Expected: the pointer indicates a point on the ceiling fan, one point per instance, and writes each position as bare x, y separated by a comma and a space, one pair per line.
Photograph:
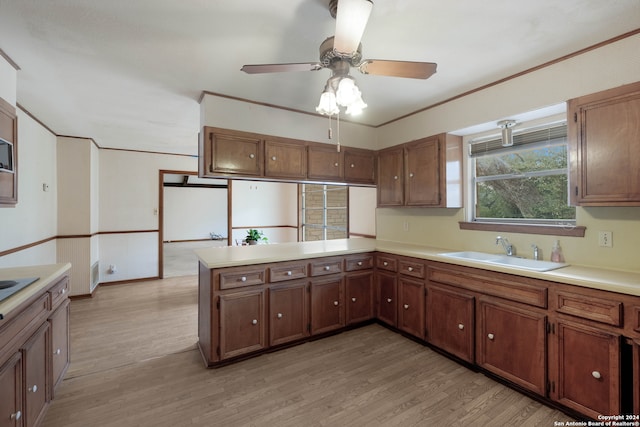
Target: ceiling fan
342, 52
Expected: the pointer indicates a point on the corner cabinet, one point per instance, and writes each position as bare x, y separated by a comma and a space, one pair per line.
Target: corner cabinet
604, 140
426, 172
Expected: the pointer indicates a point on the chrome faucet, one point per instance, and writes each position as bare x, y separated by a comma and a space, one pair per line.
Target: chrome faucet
508, 247
536, 251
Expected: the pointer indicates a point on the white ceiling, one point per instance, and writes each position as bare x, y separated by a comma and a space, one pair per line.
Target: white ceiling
129, 73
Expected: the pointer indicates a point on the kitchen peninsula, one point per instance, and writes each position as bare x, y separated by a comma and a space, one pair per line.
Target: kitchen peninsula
551, 334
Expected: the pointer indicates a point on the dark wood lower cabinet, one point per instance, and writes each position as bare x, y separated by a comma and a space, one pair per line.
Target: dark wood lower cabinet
327, 304
242, 323
36, 375
359, 297
11, 408
411, 306
387, 297
59, 321
586, 377
288, 312
450, 321
512, 343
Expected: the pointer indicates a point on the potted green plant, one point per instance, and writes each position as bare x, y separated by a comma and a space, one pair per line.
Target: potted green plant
254, 236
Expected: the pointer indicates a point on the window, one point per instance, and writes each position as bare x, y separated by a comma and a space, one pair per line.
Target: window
325, 213
526, 183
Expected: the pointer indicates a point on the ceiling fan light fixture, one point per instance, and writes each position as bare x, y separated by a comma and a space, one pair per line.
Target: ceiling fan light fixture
351, 20
356, 107
328, 105
507, 134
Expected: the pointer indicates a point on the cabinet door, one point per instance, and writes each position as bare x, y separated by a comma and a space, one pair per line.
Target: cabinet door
605, 137
411, 305
359, 166
327, 305
359, 301
588, 369
285, 160
450, 321
234, 153
325, 163
387, 297
59, 321
11, 392
391, 177
288, 313
509, 336
242, 323
36, 375
422, 173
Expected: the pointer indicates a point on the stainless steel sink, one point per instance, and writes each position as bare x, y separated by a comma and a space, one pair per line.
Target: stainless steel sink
507, 261
5, 284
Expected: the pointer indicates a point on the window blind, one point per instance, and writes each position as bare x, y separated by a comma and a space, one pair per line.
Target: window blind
554, 135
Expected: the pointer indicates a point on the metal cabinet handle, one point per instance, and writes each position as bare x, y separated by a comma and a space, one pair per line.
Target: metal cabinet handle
360, 263
252, 156
273, 158
57, 352
596, 375
460, 326
33, 388
254, 322
352, 165
16, 416
353, 299
335, 164
410, 269
490, 336
62, 291
389, 300
243, 279
406, 306
289, 273
385, 263
327, 268
336, 303
395, 177
411, 175
279, 315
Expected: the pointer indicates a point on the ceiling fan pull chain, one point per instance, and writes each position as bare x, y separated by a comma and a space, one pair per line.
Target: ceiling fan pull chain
338, 130
330, 130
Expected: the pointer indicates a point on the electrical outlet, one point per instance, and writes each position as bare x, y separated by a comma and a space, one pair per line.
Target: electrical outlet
605, 239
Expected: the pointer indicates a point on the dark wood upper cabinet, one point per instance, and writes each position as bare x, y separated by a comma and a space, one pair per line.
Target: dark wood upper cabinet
359, 166
286, 160
8, 154
390, 177
229, 152
604, 141
325, 163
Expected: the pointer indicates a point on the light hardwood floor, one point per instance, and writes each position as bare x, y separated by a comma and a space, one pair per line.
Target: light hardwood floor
134, 363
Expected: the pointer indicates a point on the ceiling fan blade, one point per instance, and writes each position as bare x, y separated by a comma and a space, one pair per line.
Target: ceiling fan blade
351, 19
279, 68
412, 70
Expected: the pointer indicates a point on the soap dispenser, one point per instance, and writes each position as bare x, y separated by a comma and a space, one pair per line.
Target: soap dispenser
556, 252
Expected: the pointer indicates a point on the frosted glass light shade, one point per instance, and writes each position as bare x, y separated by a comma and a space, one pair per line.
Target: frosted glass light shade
327, 104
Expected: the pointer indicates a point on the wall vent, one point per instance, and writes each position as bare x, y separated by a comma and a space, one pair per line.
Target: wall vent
95, 275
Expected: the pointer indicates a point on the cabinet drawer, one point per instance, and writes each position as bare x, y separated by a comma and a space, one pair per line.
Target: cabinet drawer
282, 272
507, 287
20, 326
326, 266
362, 262
598, 309
237, 279
59, 292
412, 268
386, 263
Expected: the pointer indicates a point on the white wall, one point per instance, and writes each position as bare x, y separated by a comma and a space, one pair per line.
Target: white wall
193, 213
232, 114
34, 218
263, 204
8, 78
362, 210
128, 205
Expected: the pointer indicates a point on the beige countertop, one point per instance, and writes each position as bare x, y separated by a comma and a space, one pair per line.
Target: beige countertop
625, 282
46, 273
